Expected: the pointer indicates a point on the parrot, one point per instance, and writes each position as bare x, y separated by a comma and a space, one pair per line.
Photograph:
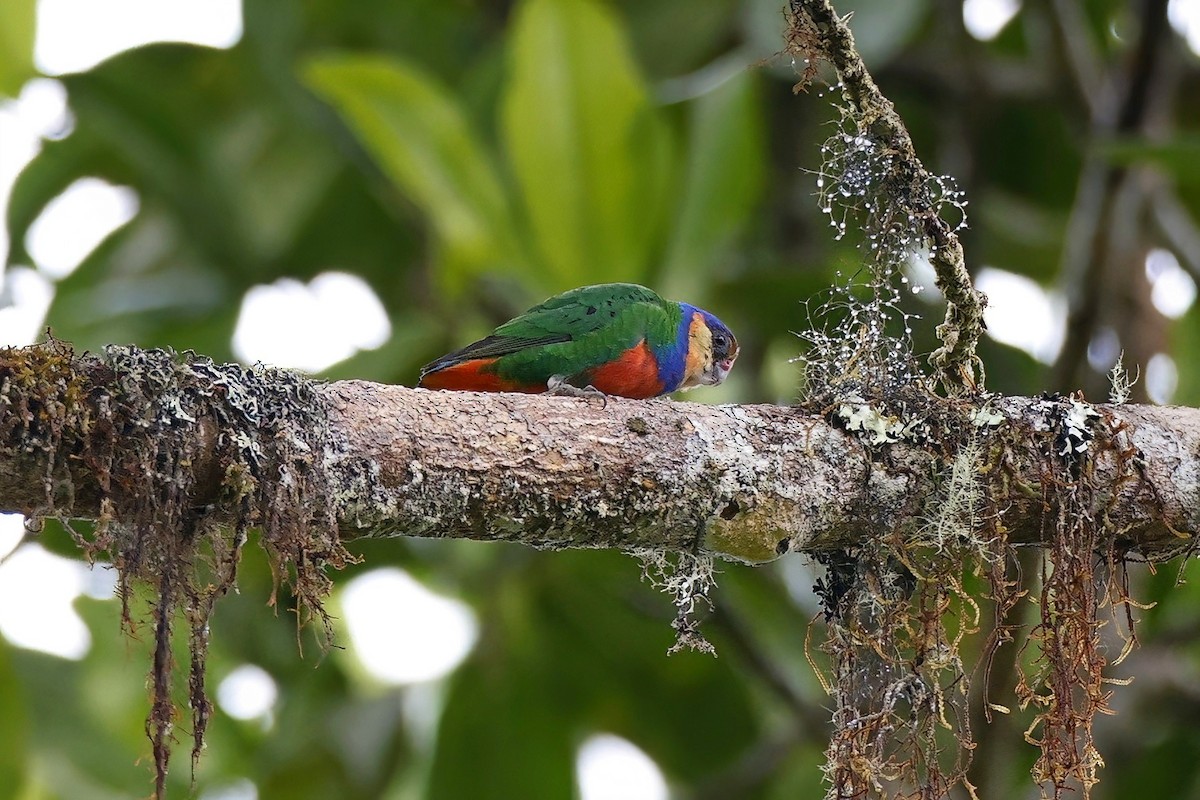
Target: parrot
617, 339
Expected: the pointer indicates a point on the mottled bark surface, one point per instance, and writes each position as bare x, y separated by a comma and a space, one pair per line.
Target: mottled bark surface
745, 480
176, 457
748, 482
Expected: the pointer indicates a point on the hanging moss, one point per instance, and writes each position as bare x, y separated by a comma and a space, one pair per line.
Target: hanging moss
182, 456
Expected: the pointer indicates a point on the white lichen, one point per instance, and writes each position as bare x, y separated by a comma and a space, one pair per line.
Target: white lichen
1120, 384
987, 417
861, 416
687, 578
1077, 428
952, 515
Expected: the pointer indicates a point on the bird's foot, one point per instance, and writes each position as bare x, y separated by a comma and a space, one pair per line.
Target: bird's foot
557, 385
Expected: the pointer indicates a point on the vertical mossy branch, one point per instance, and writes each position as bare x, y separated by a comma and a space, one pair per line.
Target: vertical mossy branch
896, 606
815, 33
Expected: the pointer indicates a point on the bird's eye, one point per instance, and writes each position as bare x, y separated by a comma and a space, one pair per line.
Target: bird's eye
720, 341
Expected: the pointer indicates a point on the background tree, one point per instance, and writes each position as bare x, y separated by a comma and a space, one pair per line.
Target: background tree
467, 160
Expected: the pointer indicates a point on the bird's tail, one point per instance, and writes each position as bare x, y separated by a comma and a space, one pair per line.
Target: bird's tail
471, 375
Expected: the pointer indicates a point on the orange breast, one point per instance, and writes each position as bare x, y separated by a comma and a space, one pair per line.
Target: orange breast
634, 374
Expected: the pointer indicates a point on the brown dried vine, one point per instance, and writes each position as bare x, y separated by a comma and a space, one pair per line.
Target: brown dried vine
898, 614
897, 610
900, 687
1084, 572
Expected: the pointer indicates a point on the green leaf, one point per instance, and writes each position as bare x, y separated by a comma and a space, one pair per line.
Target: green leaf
586, 604
882, 27
18, 22
674, 37
590, 154
134, 128
500, 737
416, 131
724, 178
1179, 156
567, 649
59, 164
238, 184
13, 729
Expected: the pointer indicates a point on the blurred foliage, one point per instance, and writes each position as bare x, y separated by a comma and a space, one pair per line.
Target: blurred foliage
467, 159
17, 25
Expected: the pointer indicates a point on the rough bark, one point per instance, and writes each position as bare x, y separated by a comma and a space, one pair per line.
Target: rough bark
743, 482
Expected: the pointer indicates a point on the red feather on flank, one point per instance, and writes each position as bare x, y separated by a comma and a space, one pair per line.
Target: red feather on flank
632, 374
473, 376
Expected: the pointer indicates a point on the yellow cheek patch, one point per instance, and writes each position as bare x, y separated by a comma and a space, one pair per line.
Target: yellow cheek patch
699, 353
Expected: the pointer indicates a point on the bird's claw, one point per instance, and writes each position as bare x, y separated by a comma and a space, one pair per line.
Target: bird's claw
557, 385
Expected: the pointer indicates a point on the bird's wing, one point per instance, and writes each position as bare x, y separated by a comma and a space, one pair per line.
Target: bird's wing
491, 347
570, 317
575, 314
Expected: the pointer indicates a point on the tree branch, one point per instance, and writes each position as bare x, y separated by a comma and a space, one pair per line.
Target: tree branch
743, 482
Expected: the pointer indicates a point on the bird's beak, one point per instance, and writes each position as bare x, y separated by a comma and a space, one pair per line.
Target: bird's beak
720, 371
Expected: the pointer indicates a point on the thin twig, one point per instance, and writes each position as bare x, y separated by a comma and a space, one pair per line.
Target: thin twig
1120, 105
1082, 58
1179, 227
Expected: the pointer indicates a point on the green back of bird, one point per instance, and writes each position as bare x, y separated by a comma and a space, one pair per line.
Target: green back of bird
585, 327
